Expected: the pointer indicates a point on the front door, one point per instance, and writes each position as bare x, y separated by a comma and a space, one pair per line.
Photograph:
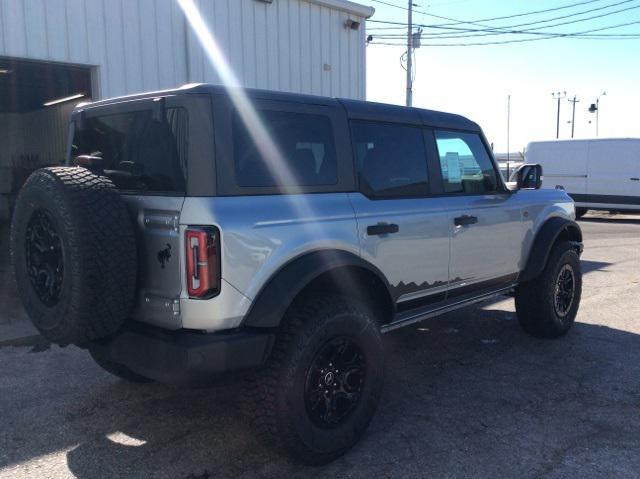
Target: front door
485, 222
402, 230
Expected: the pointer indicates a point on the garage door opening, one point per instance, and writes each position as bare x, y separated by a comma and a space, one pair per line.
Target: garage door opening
36, 99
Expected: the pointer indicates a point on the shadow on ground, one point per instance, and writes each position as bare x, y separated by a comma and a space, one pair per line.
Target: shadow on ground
590, 266
466, 395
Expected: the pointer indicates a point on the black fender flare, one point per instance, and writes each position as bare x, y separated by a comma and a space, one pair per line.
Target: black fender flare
276, 296
543, 242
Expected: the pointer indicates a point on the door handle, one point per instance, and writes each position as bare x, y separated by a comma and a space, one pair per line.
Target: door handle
634, 179
465, 220
382, 229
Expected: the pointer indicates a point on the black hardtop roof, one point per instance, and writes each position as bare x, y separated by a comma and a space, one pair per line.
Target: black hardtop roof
356, 109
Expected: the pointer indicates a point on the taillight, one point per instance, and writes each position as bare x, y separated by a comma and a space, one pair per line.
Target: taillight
203, 261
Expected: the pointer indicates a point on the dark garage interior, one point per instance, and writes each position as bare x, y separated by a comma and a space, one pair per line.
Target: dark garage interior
36, 99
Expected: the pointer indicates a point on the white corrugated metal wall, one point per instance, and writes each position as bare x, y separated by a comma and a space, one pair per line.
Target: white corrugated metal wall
137, 45
141, 45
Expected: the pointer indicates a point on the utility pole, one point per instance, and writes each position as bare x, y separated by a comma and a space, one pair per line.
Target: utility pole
410, 55
558, 96
573, 116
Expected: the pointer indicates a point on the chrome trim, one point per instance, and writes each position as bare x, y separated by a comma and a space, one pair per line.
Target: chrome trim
420, 316
422, 293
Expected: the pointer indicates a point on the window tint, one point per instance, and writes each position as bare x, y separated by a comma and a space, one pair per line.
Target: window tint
391, 159
307, 153
138, 152
465, 163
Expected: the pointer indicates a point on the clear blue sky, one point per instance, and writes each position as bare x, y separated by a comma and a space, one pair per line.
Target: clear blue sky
475, 80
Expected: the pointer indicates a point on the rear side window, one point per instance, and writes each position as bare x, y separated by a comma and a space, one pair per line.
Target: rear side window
139, 153
391, 159
465, 163
306, 152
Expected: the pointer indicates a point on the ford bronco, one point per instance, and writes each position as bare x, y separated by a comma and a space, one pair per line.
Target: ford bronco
206, 231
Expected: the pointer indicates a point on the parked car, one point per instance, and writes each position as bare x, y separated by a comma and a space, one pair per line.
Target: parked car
209, 232
602, 174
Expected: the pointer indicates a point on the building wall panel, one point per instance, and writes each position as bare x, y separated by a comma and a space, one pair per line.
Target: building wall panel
36, 25
139, 45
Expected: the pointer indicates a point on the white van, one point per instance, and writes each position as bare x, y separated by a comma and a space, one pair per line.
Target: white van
602, 174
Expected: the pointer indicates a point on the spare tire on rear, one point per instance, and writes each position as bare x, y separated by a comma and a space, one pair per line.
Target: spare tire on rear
74, 254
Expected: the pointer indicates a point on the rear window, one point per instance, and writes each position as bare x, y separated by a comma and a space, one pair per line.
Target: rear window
139, 153
306, 151
391, 160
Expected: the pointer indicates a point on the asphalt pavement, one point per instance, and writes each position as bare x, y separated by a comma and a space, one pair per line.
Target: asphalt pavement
466, 395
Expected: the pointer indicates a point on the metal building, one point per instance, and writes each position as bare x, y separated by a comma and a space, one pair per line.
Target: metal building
54, 53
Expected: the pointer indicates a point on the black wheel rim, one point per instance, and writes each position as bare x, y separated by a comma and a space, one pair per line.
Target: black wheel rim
564, 290
44, 258
334, 382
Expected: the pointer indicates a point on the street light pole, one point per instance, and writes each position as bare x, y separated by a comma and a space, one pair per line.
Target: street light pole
508, 131
597, 116
595, 108
558, 96
598, 111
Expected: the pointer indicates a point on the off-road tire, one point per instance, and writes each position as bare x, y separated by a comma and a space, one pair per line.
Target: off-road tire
535, 300
580, 212
95, 246
276, 393
116, 369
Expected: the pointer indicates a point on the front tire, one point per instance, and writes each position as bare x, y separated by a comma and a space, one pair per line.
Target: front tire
322, 384
547, 306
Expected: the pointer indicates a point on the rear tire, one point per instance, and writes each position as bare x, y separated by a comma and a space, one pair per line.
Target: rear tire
321, 386
116, 369
547, 306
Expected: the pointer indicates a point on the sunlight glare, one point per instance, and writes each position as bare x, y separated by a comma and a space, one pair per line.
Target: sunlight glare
248, 114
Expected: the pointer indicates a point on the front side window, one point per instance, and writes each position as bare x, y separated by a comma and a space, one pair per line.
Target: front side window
304, 153
391, 159
465, 164
139, 153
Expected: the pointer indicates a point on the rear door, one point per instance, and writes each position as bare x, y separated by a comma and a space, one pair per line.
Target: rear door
485, 223
402, 230
145, 150
614, 173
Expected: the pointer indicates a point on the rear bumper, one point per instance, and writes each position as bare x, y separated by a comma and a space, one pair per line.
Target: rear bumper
186, 357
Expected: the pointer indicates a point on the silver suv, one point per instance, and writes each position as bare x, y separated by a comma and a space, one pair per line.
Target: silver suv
206, 231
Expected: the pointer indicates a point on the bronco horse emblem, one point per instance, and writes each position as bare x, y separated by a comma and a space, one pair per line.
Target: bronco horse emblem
164, 255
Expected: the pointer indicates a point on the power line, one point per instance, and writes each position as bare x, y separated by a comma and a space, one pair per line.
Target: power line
502, 31
547, 36
529, 31
475, 22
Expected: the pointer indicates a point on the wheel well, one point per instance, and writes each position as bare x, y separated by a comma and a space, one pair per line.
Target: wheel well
571, 233
554, 231
358, 283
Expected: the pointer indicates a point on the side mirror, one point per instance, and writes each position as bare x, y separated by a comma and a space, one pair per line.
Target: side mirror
529, 177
